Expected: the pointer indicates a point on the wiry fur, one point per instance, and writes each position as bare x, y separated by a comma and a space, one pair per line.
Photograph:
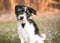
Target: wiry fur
27, 28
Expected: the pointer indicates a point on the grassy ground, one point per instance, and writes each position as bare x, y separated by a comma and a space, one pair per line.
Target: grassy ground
49, 25
8, 32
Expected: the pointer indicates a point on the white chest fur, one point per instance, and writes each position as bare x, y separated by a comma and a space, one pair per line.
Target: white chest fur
27, 32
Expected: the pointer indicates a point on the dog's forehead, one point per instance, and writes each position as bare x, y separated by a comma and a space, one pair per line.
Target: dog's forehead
25, 8
22, 8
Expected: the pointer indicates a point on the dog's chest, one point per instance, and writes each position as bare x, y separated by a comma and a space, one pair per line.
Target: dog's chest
27, 29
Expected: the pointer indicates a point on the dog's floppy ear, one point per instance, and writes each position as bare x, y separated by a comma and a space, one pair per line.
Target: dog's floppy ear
31, 10
16, 9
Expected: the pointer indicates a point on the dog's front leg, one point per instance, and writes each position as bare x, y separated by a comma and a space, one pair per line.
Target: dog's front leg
32, 39
20, 32
22, 40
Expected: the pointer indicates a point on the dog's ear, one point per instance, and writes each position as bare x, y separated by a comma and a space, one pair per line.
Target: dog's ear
16, 7
31, 10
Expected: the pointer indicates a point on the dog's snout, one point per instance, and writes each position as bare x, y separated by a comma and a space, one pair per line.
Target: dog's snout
21, 18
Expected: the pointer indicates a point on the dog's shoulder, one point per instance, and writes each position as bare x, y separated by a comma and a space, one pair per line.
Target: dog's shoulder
35, 26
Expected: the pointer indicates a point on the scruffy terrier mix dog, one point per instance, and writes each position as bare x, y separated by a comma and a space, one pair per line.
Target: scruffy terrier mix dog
27, 28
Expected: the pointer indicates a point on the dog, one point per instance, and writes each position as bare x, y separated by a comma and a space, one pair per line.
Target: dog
27, 29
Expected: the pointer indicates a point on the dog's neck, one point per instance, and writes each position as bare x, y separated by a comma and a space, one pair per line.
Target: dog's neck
23, 23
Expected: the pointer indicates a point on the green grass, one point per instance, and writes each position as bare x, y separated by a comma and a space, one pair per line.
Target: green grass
49, 26
8, 32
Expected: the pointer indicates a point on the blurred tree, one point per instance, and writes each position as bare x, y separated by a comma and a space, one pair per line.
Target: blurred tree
40, 5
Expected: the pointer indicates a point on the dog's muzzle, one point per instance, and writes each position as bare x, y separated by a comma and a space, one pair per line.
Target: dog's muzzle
21, 18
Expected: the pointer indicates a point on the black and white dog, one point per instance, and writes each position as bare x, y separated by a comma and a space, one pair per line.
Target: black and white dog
27, 28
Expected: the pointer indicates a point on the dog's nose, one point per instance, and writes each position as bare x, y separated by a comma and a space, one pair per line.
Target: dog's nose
21, 18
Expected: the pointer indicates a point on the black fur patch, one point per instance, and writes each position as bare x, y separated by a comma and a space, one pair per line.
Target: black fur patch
35, 25
23, 24
31, 10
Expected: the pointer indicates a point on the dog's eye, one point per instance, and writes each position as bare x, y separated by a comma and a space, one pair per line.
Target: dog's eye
27, 12
20, 11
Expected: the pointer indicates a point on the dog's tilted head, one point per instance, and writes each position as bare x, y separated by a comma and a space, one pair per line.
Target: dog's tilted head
23, 12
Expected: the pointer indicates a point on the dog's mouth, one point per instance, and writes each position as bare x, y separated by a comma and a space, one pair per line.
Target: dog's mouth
22, 21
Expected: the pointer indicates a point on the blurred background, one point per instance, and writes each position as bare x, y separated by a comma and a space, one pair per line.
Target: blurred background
47, 19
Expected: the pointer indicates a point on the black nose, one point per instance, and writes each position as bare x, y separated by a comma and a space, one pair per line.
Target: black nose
21, 18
